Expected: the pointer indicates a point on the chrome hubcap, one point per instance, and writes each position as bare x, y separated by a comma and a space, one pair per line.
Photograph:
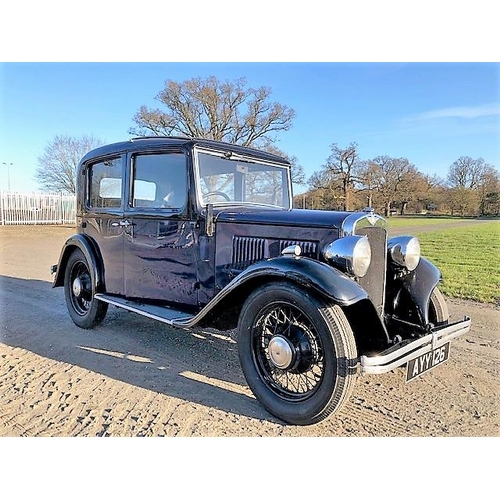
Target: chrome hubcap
280, 352
77, 287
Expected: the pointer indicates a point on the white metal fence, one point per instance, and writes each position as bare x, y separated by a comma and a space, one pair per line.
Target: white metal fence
37, 208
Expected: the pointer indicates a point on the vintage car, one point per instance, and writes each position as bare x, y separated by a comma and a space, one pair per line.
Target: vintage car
197, 233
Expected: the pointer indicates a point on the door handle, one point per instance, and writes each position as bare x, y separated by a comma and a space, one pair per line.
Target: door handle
123, 223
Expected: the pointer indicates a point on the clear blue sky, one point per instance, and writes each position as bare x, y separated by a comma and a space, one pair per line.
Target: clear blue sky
430, 113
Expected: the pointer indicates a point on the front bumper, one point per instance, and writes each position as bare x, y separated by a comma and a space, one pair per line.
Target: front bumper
405, 351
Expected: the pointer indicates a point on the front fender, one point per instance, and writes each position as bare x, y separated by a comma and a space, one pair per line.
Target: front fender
90, 252
419, 285
308, 273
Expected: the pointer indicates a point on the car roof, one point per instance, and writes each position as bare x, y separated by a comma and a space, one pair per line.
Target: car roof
148, 142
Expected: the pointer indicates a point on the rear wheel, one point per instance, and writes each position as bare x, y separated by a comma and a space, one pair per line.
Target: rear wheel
84, 309
297, 352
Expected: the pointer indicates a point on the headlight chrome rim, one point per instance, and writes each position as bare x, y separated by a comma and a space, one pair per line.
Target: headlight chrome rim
351, 254
404, 251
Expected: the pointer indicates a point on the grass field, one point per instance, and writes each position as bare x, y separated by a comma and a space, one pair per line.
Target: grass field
468, 257
421, 221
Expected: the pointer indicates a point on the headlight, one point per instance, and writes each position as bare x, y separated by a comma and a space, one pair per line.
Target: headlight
404, 251
351, 254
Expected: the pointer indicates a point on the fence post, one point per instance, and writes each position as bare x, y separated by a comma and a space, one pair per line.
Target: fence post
35, 211
2, 210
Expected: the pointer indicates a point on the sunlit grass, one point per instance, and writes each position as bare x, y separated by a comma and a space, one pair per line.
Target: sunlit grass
422, 221
469, 259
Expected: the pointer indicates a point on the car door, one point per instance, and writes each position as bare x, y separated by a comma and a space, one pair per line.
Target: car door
159, 249
103, 221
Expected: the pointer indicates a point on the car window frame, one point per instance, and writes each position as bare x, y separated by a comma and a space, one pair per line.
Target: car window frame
129, 188
88, 170
221, 153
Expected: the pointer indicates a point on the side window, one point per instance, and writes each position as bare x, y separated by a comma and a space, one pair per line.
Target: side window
105, 184
159, 181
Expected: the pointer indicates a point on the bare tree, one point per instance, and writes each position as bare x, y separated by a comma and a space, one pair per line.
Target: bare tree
471, 181
57, 165
297, 170
326, 192
396, 180
489, 190
429, 192
339, 174
463, 201
208, 108
368, 178
466, 172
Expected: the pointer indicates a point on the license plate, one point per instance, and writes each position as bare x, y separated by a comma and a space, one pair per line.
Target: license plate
427, 361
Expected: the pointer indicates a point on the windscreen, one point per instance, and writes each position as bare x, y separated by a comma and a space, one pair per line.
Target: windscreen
236, 180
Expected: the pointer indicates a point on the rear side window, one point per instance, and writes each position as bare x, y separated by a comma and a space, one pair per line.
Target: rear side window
105, 184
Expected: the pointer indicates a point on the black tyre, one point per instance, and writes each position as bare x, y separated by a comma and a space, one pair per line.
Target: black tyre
84, 309
438, 309
298, 353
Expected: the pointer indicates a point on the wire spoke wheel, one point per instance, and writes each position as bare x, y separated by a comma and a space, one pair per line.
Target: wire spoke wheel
288, 351
297, 352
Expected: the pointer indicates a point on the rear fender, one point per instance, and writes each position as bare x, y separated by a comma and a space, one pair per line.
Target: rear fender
91, 253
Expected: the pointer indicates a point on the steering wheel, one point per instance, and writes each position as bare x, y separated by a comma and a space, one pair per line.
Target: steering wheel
217, 193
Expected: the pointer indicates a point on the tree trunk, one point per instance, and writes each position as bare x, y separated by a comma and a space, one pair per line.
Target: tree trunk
404, 204
387, 209
370, 199
347, 201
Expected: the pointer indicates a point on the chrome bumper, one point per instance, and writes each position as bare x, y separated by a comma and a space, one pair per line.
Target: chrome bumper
402, 353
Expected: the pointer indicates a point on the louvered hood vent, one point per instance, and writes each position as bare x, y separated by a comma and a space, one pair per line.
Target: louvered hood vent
247, 250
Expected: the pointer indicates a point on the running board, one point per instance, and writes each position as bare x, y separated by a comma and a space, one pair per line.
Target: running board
166, 315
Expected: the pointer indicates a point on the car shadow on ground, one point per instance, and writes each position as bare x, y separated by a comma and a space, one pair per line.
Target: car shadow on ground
200, 366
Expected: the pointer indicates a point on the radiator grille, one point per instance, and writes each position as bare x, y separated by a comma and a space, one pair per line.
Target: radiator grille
374, 280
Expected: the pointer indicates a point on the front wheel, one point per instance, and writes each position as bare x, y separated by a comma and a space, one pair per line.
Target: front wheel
84, 309
297, 352
438, 309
